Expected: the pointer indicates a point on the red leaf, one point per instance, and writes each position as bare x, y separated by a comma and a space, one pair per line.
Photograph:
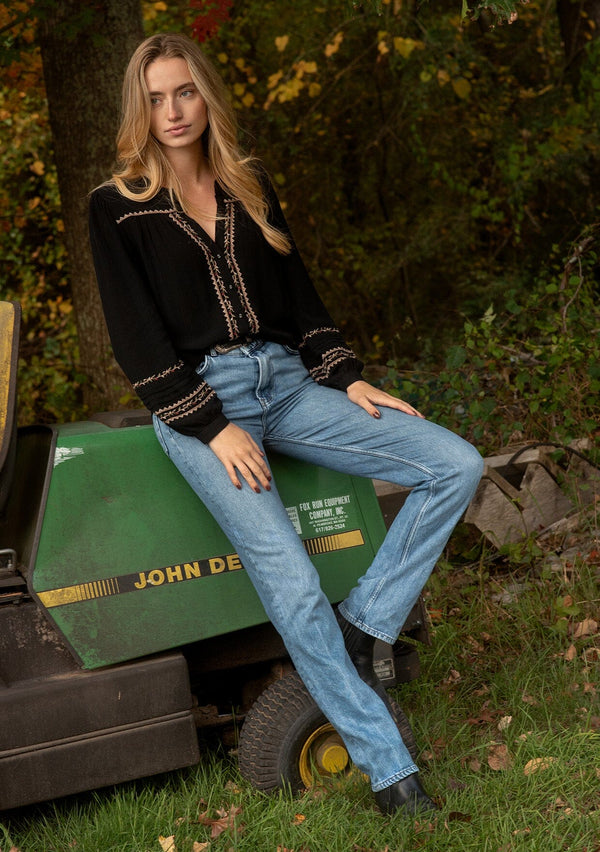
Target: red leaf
213, 14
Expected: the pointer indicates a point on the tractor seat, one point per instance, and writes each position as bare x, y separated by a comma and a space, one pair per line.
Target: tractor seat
10, 320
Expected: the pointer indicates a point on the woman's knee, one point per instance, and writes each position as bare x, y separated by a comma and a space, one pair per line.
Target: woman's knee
469, 466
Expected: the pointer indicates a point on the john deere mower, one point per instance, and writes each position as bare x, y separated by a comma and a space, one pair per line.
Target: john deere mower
127, 621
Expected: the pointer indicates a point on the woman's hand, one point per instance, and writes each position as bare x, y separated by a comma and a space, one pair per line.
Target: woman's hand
239, 452
365, 395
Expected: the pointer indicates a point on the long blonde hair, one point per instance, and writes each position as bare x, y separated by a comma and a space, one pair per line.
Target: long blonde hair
139, 155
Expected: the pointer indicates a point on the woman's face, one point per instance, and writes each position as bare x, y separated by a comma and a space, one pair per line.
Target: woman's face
178, 116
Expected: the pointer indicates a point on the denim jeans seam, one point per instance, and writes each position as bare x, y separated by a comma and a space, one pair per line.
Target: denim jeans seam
360, 620
354, 451
413, 530
372, 598
385, 637
378, 786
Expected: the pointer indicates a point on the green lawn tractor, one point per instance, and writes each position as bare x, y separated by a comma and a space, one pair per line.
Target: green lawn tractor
127, 621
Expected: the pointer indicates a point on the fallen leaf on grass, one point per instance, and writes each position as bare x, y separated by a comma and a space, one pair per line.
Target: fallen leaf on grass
453, 677
299, 819
422, 827
498, 757
167, 844
475, 646
437, 748
504, 723
538, 764
587, 627
485, 716
561, 807
200, 847
571, 653
224, 821
473, 763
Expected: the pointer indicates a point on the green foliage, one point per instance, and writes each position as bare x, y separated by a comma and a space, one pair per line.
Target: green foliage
530, 369
34, 263
427, 164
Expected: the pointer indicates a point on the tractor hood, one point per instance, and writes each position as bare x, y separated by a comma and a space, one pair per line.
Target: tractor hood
130, 562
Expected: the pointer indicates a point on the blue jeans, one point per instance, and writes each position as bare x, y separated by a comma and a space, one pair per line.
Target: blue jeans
266, 390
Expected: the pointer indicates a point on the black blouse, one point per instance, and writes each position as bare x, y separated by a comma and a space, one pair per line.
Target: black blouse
170, 293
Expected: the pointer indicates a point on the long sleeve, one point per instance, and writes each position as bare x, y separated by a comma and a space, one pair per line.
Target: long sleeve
169, 387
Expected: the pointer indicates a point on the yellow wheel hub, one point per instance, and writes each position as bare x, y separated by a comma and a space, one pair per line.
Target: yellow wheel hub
323, 753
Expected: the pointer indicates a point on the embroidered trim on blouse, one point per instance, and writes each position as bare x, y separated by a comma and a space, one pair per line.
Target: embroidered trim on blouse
233, 329
140, 213
157, 376
234, 268
187, 405
329, 361
316, 331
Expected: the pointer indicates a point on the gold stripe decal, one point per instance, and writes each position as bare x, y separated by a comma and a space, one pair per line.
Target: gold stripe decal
329, 543
83, 592
96, 589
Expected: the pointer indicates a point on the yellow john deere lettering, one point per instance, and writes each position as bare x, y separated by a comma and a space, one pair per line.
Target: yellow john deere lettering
157, 577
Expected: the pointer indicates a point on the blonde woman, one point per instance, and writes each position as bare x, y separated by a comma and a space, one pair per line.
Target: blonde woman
214, 319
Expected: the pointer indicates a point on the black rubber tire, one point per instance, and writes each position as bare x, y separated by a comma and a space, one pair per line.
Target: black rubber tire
274, 733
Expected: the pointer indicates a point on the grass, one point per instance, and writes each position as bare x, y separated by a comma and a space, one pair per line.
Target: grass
506, 712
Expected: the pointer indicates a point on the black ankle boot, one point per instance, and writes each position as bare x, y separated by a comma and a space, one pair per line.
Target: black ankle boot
406, 795
359, 646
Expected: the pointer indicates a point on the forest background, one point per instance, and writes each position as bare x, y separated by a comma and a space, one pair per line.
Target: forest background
439, 166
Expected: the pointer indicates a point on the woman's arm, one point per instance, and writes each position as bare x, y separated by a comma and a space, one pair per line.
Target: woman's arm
142, 345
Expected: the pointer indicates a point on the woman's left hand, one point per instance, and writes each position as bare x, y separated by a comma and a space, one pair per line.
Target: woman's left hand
363, 394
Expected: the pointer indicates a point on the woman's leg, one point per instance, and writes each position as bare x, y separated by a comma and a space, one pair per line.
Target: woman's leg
285, 579
321, 425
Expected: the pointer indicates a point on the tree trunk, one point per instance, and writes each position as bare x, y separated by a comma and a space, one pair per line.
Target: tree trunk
85, 49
